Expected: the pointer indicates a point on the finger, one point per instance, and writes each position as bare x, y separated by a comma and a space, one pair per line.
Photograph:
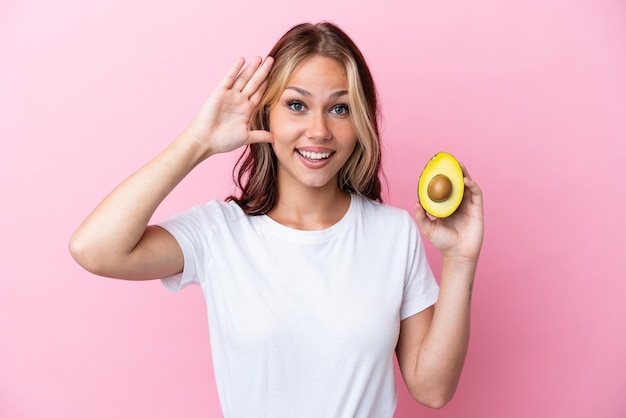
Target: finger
255, 99
245, 75
260, 136
464, 170
231, 75
476, 194
471, 185
258, 81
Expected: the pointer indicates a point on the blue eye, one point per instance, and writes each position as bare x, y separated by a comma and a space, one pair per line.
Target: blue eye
296, 105
341, 109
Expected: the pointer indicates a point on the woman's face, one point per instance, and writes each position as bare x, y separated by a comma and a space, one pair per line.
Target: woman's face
312, 127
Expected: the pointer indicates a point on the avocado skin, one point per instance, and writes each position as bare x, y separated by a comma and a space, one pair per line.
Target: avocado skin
442, 163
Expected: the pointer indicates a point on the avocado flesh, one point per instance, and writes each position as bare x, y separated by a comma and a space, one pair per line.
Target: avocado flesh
445, 166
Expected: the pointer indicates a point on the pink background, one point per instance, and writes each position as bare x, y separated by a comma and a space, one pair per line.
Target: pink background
531, 95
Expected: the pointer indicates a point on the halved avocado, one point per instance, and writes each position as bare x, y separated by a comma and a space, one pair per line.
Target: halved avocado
440, 187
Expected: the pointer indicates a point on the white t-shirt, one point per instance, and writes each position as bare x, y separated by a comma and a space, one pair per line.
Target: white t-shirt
304, 323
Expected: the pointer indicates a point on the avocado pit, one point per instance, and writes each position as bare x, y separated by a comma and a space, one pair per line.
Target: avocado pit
439, 188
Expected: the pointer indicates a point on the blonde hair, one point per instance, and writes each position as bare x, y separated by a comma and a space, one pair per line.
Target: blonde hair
256, 168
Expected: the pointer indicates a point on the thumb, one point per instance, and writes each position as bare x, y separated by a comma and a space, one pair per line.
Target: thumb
260, 136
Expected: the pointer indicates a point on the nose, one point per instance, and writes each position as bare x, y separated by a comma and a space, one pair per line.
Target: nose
318, 127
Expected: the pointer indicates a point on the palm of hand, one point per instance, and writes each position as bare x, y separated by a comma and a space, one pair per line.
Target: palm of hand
224, 120
222, 124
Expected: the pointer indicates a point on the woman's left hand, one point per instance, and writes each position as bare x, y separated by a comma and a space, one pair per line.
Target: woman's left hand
460, 235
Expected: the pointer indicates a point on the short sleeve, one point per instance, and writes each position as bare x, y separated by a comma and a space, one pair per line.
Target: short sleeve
190, 230
421, 289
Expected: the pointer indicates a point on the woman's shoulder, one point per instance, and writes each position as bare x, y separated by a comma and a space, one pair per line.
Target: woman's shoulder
228, 210
380, 208
385, 211
210, 211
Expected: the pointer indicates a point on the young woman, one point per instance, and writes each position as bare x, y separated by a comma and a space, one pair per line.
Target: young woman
311, 283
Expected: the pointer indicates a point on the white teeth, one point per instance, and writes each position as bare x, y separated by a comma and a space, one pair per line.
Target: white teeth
314, 155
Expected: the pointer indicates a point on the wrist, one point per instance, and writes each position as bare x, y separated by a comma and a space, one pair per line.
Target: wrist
459, 260
461, 269
194, 149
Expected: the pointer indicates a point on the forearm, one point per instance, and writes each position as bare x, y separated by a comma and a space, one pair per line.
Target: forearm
117, 224
444, 348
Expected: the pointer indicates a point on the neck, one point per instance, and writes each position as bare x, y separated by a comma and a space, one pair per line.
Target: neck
310, 209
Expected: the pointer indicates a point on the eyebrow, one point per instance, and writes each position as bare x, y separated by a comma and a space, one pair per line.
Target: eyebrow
335, 95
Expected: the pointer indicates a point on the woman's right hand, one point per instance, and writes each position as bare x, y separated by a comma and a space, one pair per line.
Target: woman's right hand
223, 122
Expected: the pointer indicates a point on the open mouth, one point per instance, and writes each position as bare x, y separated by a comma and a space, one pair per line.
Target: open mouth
314, 156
